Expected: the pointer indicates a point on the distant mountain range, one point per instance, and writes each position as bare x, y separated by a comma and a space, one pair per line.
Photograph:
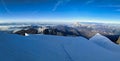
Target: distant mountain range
86, 29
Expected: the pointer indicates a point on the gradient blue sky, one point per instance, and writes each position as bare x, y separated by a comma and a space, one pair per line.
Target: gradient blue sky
59, 10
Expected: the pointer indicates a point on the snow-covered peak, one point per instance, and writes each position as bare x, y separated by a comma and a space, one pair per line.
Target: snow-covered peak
104, 42
99, 34
99, 37
77, 24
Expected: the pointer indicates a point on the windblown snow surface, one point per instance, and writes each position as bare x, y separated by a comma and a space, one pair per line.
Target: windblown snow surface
57, 48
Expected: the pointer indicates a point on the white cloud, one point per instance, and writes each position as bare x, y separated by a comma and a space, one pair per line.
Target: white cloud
56, 5
59, 3
3, 28
89, 1
5, 7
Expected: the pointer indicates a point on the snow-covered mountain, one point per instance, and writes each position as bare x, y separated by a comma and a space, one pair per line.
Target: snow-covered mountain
105, 42
85, 29
54, 48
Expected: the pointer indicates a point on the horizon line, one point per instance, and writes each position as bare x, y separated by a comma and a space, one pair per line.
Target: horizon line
106, 22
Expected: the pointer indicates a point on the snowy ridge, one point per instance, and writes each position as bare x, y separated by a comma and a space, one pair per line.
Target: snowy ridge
52, 48
31, 48
105, 42
81, 49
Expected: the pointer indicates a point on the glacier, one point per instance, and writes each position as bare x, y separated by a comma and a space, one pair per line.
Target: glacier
56, 48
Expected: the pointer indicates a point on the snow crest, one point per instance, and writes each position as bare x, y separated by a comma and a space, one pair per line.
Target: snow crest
105, 42
56, 48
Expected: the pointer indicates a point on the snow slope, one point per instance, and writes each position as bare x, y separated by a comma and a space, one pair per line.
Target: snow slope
105, 42
52, 48
20, 48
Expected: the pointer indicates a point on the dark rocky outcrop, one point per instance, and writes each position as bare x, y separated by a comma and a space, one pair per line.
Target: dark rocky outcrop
29, 31
113, 38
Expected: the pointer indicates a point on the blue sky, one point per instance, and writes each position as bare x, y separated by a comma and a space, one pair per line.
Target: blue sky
59, 10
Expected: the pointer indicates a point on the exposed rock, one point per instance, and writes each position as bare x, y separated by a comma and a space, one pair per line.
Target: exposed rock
28, 31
